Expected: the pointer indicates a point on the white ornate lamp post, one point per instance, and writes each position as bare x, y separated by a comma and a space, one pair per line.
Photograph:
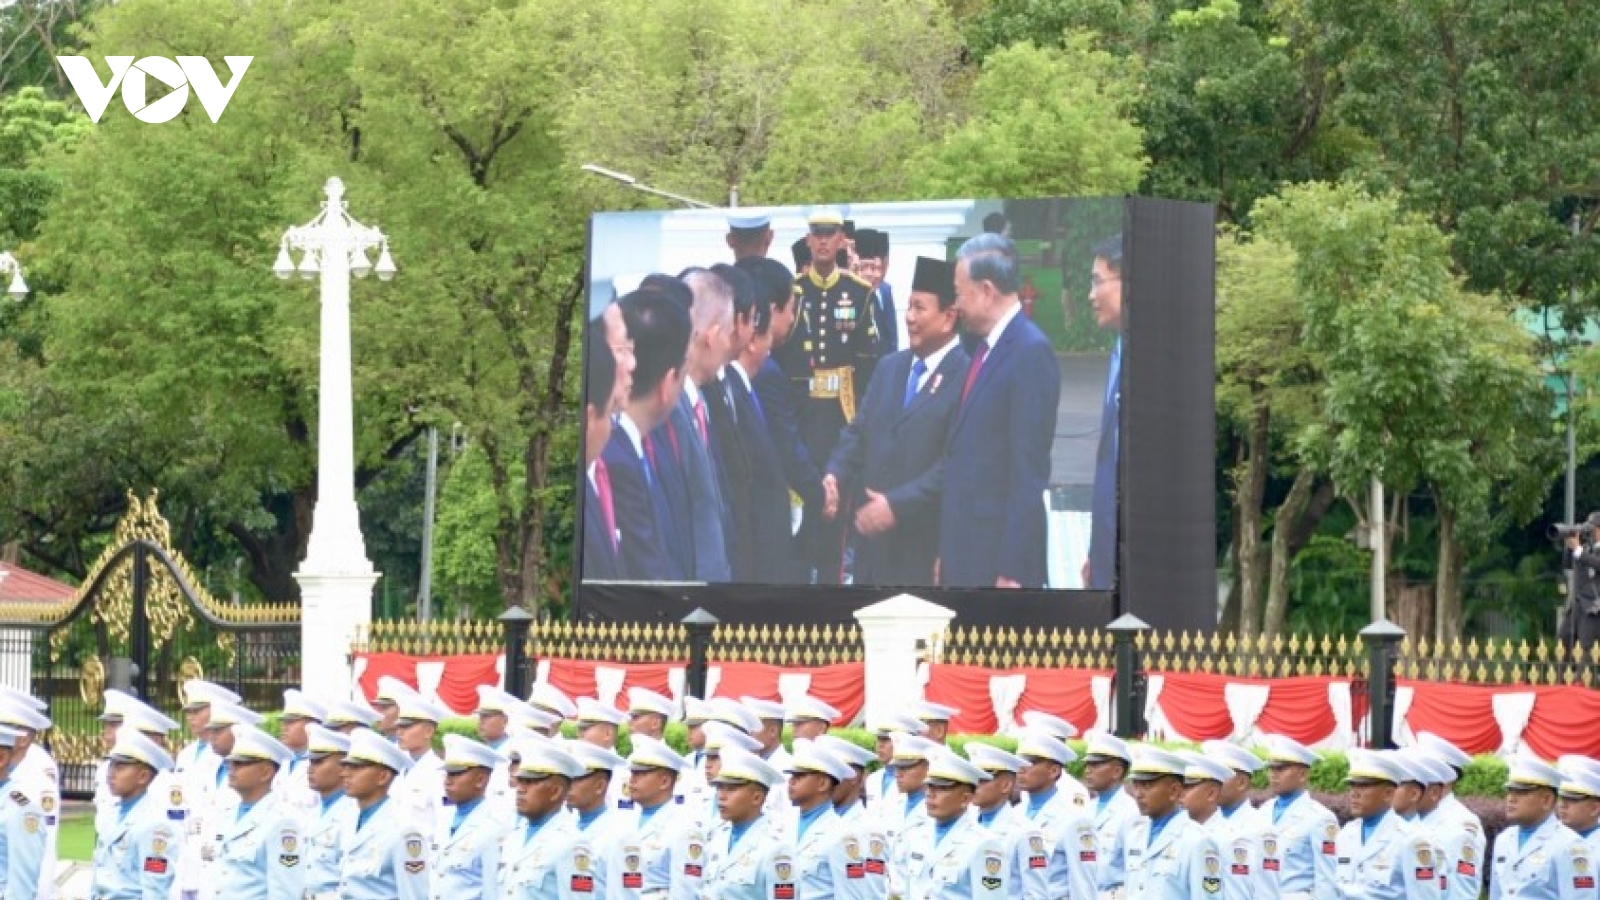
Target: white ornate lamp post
9, 266
336, 576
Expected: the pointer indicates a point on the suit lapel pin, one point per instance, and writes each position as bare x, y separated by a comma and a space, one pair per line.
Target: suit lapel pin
937, 378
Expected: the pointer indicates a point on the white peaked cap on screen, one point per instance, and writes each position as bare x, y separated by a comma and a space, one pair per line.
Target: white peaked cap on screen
1282, 749
1060, 728
749, 221
322, 741
492, 699
1041, 745
742, 766
18, 713
547, 696
368, 746
348, 712
946, 768
1238, 758
1532, 772
462, 753
595, 758
649, 753
416, 709
140, 717
899, 722
223, 714
644, 700
133, 746
593, 712
251, 743
992, 759
1438, 746
809, 707
854, 754
197, 693
31, 700
911, 747
394, 690
929, 711
766, 710
731, 711
722, 736
1099, 744
296, 705
809, 758
1200, 767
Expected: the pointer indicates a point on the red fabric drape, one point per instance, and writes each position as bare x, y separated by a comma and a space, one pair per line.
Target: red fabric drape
967, 689
1061, 692
748, 679
458, 688
1298, 708
1563, 722
1193, 703
650, 676
842, 687
397, 665
1461, 713
573, 677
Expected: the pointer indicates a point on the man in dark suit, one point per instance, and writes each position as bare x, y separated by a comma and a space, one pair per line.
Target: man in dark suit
992, 516
1105, 297
872, 263
659, 328
600, 561
891, 458
766, 552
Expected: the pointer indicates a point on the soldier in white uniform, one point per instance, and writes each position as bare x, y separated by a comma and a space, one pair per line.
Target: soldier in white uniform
605, 827
391, 693
747, 856
1203, 778
1235, 800
896, 819
1578, 803
720, 736
260, 855
849, 799
692, 782
809, 718
1455, 828
33, 773
649, 712
880, 785
197, 763
597, 724
546, 856
659, 832
125, 713
1536, 857
1063, 731
299, 712
936, 718
1299, 836
548, 697
830, 856
134, 855
1169, 857
1106, 759
214, 809
948, 855
769, 731
1034, 863
386, 848
24, 835
466, 856
327, 826
345, 716
1380, 857
421, 787
494, 716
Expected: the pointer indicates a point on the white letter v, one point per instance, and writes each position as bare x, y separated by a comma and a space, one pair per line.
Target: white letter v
91, 93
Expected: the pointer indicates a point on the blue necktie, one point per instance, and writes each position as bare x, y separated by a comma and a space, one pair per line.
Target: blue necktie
917, 370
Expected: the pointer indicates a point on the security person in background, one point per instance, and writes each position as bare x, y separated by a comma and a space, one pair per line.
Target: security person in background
33, 773
1535, 856
386, 849
1031, 858
24, 836
1379, 855
1203, 777
545, 855
829, 359
261, 855
467, 855
1106, 759
936, 716
335, 814
1580, 615
134, 857
749, 234
948, 855
197, 760
1455, 827
747, 855
1169, 857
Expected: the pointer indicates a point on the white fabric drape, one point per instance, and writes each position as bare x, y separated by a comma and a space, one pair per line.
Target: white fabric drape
500, 671
1245, 703
1004, 693
1400, 728
1155, 720
713, 680
1339, 701
792, 686
358, 669
675, 684
608, 683
429, 674
541, 672
1511, 712
1100, 692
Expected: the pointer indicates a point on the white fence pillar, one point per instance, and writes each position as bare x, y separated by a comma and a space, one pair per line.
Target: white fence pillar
890, 631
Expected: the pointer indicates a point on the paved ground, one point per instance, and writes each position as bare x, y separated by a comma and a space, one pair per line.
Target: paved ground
1083, 387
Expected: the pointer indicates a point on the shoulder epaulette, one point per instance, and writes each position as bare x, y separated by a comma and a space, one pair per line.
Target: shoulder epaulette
20, 798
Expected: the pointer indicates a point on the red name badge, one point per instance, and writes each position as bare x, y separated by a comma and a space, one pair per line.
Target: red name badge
155, 864
855, 871
632, 880
583, 884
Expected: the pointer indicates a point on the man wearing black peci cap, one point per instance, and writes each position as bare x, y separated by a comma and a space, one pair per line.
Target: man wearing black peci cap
889, 462
872, 263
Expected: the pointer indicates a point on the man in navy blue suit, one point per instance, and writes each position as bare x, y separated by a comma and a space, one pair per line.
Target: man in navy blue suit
766, 552
600, 561
891, 457
1105, 297
658, 324
872, 263
992, 516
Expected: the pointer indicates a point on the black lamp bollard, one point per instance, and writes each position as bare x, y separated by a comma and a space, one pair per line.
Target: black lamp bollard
700, 624
516, 621
1128, 705
1383, 651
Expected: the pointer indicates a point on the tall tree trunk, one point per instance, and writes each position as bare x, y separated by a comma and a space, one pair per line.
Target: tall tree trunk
1447, 591
1229, 622
1287, 524
1251, 487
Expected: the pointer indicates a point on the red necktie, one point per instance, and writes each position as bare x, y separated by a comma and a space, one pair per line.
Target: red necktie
672, 438
700, 420
602, 487
972, 371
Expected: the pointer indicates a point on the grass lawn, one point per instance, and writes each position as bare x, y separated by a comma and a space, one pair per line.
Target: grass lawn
75, 841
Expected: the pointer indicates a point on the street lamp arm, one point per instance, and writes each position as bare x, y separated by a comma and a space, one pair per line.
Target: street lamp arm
636, 184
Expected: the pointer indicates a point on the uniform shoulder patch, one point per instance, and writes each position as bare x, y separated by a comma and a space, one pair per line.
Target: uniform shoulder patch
289, 849
31, 822
415, 863
1211, 881
783, 877
19, 798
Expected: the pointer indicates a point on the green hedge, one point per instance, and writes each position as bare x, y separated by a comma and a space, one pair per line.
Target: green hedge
1484, 777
